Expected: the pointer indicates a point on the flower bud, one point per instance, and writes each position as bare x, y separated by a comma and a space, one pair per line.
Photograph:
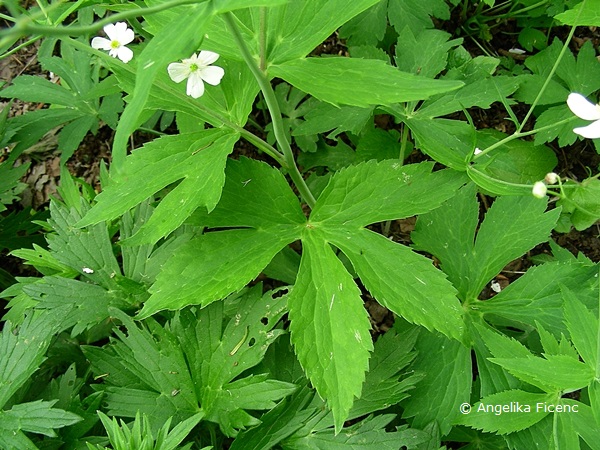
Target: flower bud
551, 178
539, 189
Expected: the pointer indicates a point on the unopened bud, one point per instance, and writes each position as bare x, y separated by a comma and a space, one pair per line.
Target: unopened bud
539, 189
551, 178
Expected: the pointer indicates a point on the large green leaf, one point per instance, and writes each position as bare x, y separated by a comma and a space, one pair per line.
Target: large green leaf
329, 326
401, 191
197, 159
36, 417
409, 285
358, 82
583, 328
512, 226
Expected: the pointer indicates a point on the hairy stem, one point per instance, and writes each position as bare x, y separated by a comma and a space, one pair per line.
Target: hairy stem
271, 101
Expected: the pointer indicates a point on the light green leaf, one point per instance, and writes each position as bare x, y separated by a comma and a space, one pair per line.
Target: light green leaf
521, 411
586, 425
23, 352
402, 191
366, 29
423, 53
36, 89
416, 14
229, 260
445, 363
222, 6
447, 141
584, 14
560, 372
326, 117
37, 417
583, 328
537, 295
583, 203
198, 159
358, 82
329, 326
255, 195
402, 281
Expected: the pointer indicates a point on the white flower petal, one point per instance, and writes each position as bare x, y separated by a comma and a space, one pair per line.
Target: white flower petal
212, 75
582, 107
178, 71
592, 131
124, 54
100, 43
195, 86
111, 31
207, 57
126, 37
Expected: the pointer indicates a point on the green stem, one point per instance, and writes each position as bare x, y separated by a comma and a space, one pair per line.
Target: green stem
552, 71
403, 141
520, 134
271, 101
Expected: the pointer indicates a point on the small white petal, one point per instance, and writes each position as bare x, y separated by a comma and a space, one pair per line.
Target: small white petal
592, 131
178, 72
212, 75
206, 57
539, 189
477, 151
124, 54
582, 107
100, 43
126, 37
195, 86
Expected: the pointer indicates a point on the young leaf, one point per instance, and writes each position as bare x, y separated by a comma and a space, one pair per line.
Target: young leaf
329, 326
358, 82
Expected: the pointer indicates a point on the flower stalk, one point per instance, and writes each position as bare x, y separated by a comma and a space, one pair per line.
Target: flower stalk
289, 162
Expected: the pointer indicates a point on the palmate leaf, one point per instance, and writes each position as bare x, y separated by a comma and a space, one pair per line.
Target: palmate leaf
512, 226
198, 159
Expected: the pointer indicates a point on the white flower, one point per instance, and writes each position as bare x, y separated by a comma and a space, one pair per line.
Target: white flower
551, 178
586, 110
539, 189
118, 37
197, 69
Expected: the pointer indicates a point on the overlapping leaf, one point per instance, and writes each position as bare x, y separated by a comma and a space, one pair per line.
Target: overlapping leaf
197, 159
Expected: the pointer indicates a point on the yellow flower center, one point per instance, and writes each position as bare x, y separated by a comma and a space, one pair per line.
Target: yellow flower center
115, 44
193, 67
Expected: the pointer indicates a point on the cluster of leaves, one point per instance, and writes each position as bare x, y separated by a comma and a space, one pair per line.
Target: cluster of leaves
148, 308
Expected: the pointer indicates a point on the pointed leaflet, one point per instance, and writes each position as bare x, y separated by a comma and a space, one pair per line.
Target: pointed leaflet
485, 416
401, 280
583, 328
23, 352
512, 226
446, 364
36, 417
212, 266
358, 82
196, 158
400, 191
537, 295
329, 326
218, 356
